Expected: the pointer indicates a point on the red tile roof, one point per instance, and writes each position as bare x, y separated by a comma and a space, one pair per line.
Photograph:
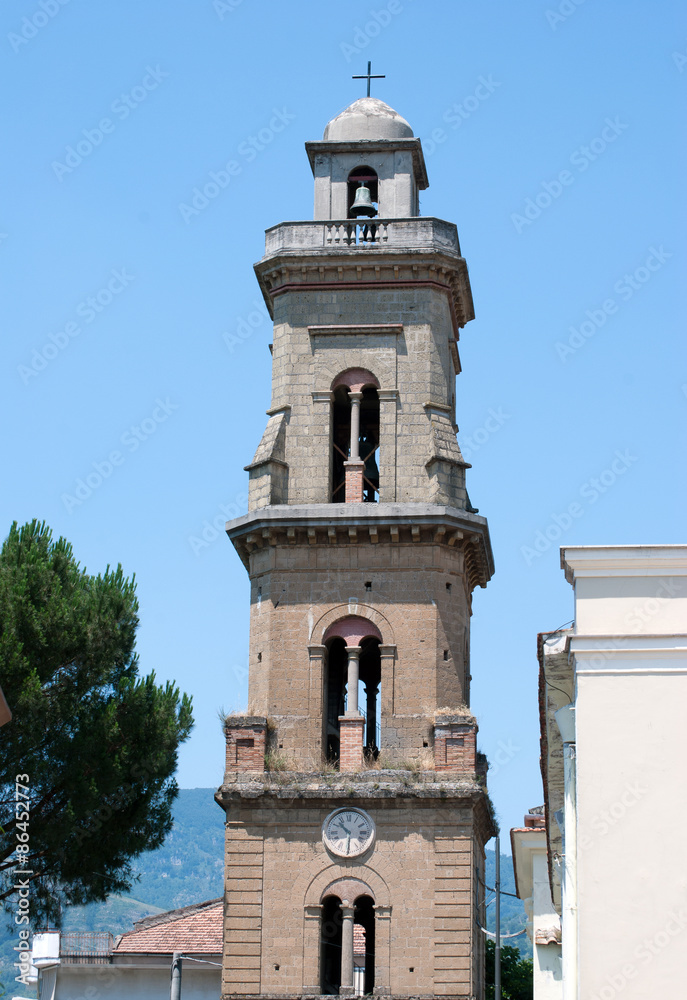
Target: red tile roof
193, 929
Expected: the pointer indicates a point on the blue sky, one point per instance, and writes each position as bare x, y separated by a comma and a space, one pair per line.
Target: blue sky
553, 138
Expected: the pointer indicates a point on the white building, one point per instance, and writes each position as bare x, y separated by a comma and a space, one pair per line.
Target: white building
530, 865
136, 965
614, 745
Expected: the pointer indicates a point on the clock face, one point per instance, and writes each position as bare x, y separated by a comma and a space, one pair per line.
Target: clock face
348, 832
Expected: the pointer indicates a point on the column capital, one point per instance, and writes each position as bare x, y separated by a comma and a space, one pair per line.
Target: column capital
355, 397
387, 650
353, 651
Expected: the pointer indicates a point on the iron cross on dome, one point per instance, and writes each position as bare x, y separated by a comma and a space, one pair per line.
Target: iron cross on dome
368, 76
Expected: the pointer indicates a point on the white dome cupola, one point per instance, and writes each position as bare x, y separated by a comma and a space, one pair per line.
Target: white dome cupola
369, 144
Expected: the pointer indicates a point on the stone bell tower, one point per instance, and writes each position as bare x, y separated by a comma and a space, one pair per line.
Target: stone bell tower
356, 805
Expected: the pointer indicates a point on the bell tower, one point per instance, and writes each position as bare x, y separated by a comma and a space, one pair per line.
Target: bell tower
356, 804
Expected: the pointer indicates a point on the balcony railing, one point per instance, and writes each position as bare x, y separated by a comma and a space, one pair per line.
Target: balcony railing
420, 233
86, 947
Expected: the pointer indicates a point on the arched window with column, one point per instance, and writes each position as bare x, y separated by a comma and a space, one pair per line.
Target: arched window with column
355, 437
352, 682
347, 937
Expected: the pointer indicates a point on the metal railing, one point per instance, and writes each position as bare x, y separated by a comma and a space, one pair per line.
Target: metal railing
91, 947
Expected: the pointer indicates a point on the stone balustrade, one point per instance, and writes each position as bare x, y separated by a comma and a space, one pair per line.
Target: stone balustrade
418, 233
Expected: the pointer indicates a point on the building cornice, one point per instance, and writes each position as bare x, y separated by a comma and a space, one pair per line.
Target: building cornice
325, 147
580, 561
348, 523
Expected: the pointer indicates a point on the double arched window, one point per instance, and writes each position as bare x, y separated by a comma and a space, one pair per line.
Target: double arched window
352, 682
355, 437
336, 964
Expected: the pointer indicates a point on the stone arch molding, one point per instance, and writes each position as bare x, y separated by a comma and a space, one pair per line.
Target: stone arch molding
383, 370
327, 879
356, 379
347, 888
329, 618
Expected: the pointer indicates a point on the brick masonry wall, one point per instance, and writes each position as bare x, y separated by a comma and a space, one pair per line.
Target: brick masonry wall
351, 745
246, 743
354, 481
455, 745
420, 874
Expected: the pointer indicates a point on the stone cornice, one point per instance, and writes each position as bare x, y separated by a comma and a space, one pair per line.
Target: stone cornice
425, 253
580, 561
381, 523
325, 147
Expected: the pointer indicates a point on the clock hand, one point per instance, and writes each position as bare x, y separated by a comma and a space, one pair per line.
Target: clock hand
348, 844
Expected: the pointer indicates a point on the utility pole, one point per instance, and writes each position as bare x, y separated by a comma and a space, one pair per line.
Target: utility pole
497, 915
175, 986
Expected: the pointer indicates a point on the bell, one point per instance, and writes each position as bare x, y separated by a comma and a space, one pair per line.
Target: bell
363, 202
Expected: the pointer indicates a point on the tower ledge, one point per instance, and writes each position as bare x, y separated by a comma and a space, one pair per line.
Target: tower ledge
380, 523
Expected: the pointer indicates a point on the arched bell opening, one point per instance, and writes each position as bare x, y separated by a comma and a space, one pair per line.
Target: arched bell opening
363, 193
369, 443
370, 695
330, 946
334, 696
364, 946
355, 436
341, 440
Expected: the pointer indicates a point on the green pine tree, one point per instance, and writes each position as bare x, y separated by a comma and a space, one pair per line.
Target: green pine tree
94, 743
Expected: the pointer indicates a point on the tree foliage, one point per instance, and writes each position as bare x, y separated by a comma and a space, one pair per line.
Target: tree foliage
517, 976
98, 742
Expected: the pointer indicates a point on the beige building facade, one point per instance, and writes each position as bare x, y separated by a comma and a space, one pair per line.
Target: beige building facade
355, 797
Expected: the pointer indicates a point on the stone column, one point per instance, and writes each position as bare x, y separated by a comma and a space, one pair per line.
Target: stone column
312, 920
356, 399
317, 709
382, 950
388, 405
347, 911
318, 485
353, 677
387, 656
354, 467
371, 691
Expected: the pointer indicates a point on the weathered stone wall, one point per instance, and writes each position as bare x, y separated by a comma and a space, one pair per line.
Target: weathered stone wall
296, 589
419, 458
420, 873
